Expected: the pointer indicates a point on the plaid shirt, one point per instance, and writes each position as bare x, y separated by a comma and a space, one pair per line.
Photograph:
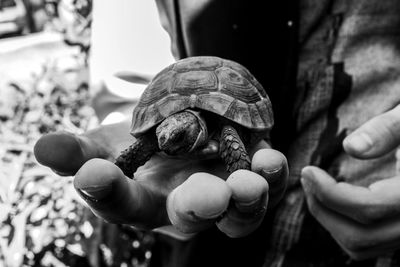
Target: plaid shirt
347, 72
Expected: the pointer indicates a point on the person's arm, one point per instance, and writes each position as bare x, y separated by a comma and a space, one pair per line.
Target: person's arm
363, 220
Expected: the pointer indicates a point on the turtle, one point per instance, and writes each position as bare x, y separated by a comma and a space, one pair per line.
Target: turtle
193, 100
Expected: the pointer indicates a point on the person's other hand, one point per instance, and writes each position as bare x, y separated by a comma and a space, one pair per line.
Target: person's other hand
191, 194
365, 222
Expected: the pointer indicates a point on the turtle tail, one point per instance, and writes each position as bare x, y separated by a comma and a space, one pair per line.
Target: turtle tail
137, 154
232, 150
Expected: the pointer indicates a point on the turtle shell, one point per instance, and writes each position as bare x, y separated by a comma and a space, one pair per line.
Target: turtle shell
220, 86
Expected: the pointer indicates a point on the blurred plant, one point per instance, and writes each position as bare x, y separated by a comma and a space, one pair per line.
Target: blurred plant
73, 18
79, 32
42, 220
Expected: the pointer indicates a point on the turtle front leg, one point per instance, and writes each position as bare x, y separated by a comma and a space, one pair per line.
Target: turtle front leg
137, 154
232, 150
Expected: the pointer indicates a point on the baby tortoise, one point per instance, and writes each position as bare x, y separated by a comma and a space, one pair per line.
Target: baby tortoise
195, 99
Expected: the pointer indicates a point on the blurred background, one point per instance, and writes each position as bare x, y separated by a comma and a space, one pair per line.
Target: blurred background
58, 60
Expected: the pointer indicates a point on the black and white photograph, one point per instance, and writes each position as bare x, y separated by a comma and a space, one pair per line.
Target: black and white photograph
197, 133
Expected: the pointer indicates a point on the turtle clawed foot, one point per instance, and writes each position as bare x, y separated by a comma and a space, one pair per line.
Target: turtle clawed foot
242, 164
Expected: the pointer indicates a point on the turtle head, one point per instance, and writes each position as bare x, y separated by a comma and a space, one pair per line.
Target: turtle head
181, 133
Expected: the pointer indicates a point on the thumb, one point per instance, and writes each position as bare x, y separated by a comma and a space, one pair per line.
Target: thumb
376, 137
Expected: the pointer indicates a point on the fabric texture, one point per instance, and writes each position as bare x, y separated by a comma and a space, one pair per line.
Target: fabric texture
348, 72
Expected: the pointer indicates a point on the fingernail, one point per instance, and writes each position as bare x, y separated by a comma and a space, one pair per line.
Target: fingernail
249, 206
360, 142
272, 175
95, 193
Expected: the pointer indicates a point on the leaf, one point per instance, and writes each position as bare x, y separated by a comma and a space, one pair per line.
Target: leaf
11, 173
14, 251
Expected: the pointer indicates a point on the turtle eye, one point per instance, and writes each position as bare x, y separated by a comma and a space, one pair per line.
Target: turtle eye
179, 137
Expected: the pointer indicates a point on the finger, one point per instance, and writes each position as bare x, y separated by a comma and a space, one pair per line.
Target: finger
365, 205
251, 192
197, 203
64, 152
358, 240
117, 199
273, 166
248, 204
376, 137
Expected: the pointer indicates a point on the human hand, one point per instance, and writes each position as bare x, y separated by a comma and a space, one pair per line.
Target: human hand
363, 220
188, 193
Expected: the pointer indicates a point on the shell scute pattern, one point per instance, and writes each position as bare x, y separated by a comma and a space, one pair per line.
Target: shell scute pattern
179, 103
195, 82
246, 73
157, 89
214, 102
234, 84
145, 118
265, 110
255, 117
220, 86
239, 113
198, 63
